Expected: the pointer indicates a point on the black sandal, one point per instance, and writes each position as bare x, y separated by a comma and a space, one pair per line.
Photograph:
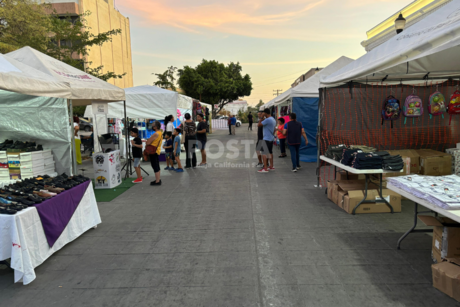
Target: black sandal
4, 210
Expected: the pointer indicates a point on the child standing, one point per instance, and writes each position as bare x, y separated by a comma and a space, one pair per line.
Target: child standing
168, 146
137, 153
176, 151
281, 137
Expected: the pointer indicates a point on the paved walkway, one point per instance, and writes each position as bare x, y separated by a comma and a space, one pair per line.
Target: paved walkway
232, 237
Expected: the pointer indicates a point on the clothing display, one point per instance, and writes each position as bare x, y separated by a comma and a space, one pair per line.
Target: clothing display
335, 152
349, 155
442, 191
364, 148
392, 163
367, 161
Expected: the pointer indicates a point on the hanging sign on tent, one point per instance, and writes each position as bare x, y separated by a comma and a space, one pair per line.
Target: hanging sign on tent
100, 108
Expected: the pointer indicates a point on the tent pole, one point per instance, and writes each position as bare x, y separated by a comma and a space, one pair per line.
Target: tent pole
128, 154
318, 133
72, 128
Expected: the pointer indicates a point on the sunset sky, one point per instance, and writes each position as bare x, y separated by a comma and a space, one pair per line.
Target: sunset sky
275, 41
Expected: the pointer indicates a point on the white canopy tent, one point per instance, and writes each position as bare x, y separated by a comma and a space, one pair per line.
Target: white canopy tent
310, 87
147, 101
84, 88
20, 78
429, 48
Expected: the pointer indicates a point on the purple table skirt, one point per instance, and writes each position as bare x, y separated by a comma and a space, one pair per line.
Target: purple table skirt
55, 213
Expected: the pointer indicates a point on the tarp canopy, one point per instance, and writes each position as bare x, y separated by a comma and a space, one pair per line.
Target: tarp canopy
84, 87
44, 120
21, 78
306, 109
146, 101
185, 102
431, 45
310, 87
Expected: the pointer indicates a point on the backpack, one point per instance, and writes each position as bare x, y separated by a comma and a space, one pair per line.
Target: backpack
335, 152
454, 105
391, 109
437, 105
413, 107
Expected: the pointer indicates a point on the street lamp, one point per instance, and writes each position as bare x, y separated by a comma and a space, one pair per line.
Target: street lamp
400, 23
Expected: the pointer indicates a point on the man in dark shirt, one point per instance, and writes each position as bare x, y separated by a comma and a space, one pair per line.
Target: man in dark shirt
137, 153
201, 138
229, 121
260, 142
250, 118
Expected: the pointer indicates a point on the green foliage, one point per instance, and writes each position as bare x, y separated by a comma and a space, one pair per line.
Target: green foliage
259, 105
215, 83
167, 80
79, 111
243, 116
23, 23
69, 39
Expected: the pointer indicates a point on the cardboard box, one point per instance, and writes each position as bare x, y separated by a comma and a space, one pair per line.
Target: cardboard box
446, 277
435, 163
330, 187
411, 162
343, 187
446, 237
342, 175
354, 197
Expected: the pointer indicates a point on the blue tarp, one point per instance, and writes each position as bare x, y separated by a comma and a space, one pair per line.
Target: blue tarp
306, 110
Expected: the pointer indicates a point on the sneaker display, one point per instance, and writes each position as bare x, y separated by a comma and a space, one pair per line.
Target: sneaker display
137, 181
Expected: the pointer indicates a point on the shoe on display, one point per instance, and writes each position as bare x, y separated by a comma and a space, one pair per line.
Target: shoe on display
262, 171
155, 183
138, 180
5, 210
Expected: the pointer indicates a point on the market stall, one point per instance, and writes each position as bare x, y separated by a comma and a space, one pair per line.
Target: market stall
85, 89
303, 100
365, 101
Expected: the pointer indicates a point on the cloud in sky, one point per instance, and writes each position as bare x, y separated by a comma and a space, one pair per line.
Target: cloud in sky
269, 37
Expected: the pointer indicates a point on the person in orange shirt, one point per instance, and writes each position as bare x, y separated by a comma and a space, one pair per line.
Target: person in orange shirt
279, 131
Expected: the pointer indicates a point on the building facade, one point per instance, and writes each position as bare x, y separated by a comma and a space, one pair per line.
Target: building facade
413, 13
305, 76
238, 105
114, 56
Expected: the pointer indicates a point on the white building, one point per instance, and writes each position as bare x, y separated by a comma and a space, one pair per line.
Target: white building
236, 106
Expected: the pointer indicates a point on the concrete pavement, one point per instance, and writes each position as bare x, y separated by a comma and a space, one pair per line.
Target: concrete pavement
228, 236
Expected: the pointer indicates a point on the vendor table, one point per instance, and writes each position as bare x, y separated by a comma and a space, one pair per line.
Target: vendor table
367, 173
452, 214
23, 239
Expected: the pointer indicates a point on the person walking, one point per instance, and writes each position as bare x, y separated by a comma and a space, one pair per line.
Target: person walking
177, 139
294, 131
190, 141
229, 122
268, 123
279, 131
233, 124
250, 119
156, 140
201, 138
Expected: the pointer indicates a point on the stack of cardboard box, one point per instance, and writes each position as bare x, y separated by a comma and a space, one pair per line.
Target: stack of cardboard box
446, 254
348, 193
455, 153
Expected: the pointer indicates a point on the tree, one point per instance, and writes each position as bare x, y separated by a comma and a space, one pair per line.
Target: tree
260, 104
71, 40
215, 83
167, 80
23, 23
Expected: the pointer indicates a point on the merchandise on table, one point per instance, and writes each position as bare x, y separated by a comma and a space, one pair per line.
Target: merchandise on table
367, 161
349, 155
363, 148
31, 191
455, 153
335, 152
391, 163
442, 191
